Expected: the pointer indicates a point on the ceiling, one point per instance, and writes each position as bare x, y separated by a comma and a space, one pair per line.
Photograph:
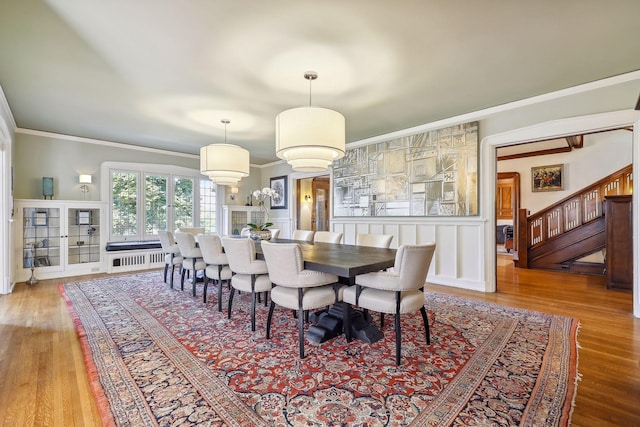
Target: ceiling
163, 74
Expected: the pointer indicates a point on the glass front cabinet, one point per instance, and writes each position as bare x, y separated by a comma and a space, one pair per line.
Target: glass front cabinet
59, 238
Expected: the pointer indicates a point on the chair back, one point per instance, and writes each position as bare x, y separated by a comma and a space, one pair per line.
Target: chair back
412, 265
241, 254
245, 232
327, 237
191, 230
167, 242
374, 240
275, 233
187, 245
304, 235
211, 248
284, 261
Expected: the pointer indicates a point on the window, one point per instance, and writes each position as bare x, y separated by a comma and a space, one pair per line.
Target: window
124, 209
155, 203
208, 205
147, 198
183, 202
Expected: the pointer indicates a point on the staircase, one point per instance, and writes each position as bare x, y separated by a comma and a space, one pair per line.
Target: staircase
556, 237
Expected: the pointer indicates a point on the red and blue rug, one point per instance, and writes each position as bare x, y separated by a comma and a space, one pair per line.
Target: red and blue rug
158, 356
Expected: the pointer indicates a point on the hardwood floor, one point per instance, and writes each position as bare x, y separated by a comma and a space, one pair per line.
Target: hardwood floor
44, 382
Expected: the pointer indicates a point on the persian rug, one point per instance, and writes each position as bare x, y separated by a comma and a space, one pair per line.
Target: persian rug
158, 356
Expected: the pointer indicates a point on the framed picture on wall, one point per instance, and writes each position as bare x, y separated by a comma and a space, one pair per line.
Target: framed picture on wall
279, 185
547, 178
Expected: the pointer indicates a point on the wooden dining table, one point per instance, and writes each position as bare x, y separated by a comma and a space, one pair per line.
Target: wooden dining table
345, 261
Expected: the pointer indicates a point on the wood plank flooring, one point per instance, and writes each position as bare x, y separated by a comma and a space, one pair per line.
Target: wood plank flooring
43, 381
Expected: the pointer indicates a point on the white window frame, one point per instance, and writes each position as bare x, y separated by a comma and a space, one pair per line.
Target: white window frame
144, 169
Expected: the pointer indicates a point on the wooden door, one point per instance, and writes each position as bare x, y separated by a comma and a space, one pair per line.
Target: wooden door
321, 202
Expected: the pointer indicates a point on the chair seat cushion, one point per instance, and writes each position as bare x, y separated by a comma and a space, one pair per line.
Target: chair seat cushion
384, 301
212, 272
242, 282
319, 296
188, 264
172, 259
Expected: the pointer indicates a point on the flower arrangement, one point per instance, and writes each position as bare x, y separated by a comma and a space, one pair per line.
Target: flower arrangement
261, 196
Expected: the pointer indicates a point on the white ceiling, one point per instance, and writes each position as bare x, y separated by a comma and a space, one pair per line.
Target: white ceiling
163, 73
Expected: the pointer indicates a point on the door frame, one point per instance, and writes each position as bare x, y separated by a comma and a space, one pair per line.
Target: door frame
550, 130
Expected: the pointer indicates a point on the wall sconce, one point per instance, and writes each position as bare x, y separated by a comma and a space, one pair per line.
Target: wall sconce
307, 198
234, 191
84, 180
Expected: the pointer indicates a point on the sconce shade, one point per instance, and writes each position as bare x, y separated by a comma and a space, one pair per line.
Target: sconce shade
85, 179
310, 138
224, 164
234, 190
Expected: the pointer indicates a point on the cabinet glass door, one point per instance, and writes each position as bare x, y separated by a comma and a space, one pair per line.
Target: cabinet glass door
83, 228
41, 237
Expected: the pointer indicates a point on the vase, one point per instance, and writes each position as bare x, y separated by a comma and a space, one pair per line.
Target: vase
260, 234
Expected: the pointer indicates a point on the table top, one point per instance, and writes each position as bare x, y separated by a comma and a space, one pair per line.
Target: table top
342, 260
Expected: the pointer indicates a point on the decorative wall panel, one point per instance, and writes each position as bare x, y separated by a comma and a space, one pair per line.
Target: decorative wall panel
428, 174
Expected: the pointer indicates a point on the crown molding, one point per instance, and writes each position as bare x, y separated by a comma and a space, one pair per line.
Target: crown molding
104, 143
4, 107
481, 114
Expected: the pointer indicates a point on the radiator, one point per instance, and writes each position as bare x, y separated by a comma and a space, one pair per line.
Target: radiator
145, 259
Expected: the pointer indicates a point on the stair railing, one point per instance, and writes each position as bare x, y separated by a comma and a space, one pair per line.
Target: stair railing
569, 213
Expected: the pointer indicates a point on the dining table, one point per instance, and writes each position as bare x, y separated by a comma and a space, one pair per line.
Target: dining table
346, 262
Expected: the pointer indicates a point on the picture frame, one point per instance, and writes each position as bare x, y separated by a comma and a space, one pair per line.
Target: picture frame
83, 217
279, 185
40, 219
547, 178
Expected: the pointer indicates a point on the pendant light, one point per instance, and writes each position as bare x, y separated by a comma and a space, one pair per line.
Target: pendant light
310, 138
224, 164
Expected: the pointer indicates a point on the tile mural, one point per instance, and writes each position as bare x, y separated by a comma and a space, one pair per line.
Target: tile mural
433, 173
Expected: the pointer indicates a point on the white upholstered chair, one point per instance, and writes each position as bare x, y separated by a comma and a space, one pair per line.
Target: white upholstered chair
397, 292
374, 240
191, 258
297, 288
191, 230
303, 235
327, 237
275, 233
217, 264
245, 232
172, 255
249, 274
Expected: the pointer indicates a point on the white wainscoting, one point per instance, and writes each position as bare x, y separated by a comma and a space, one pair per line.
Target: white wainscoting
459, 257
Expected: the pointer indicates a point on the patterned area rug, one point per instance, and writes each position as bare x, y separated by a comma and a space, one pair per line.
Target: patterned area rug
158, 356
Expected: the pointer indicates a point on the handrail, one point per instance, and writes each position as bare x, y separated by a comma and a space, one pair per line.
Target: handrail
569, 213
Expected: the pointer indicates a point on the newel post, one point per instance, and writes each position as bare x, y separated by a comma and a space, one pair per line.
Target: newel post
523, 238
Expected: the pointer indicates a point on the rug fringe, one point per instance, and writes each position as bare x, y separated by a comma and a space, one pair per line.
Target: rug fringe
92, 372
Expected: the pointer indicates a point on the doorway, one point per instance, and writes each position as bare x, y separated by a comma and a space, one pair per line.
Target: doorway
313, 203
507, 208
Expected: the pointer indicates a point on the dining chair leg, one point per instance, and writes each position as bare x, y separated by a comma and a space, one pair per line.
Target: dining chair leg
194, 280
204, 289
184, 271
269, 316
381, 320
253, 303
230, 302
398, 339
173, 269
166, 268
220, 295
425, 320
301, 317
